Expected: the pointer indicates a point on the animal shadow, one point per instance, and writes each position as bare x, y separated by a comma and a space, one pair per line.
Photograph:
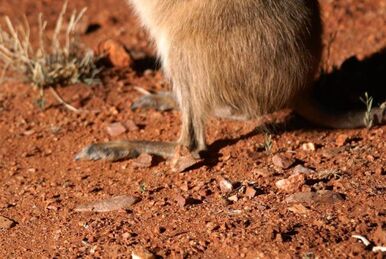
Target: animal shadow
339, 90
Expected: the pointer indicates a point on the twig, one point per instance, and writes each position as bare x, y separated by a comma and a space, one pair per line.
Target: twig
379, 249
364, 240
142, 90
367, 243
63, 102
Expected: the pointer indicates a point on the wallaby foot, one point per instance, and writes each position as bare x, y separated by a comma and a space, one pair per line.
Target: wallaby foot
118, 150
162, 101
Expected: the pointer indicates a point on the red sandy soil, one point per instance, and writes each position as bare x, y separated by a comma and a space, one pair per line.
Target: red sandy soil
41, 184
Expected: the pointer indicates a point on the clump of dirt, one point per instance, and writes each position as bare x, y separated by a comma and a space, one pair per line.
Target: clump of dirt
303, 195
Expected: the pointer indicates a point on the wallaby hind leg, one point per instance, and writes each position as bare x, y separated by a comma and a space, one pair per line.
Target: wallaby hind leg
192, 134
119, 150
192, 137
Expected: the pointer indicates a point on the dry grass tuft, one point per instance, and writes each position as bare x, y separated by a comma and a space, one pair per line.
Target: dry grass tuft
57, 61
368, 101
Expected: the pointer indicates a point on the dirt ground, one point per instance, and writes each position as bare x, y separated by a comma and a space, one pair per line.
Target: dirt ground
189, 215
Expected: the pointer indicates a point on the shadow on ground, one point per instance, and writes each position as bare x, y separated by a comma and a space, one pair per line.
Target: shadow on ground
340, 90
343, 87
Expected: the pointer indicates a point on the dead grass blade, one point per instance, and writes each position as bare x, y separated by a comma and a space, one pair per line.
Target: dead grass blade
57, 61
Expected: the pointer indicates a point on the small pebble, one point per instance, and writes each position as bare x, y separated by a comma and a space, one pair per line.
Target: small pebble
142, 253
341, 140
380, 170
292, 183
250, 192
6, 223
131, 126
282, 161
111, 204
299, 169
262, 173
233, 198
126, 235
379, 235
226, 186
185, 186
324, 196
115, 52
28, 132
143, 161
299, 209
309, 146
181, 201
115, 129
183, 160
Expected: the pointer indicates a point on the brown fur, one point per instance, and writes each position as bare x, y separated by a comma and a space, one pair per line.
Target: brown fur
253, 56
247, 57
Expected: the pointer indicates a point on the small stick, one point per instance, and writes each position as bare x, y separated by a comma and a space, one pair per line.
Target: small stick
379, 249
63, 102
142, 90
367, 243
364, 240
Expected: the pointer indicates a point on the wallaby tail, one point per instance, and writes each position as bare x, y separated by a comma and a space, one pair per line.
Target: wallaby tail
312, 110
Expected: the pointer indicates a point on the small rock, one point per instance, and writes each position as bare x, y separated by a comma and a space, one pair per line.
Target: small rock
226, 186
53, 207
262, 173
131, 126
211, 227
292, 183
6, 223
113, 110
234, 212
299, 169
115, 52
28, 132
379, 171
332, 152
185, 186
111, 204
115, 129
323, 196
250, 192
341, 140
55, 129
142, 253
329, 174
380, 235
126, 235
299, 209
181, 201
233, 198
309, 146
204, 193
370, 158
143, 161
282, 161
183, 159
184, 162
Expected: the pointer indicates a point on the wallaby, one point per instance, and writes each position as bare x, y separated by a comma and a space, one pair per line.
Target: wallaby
244, 57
